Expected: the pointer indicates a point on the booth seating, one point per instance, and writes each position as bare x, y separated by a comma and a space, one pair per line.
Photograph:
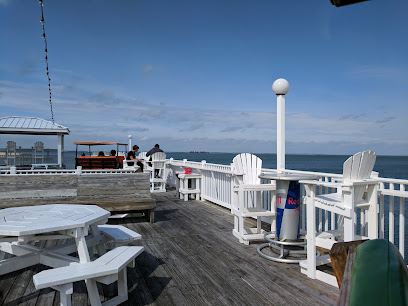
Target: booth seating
96, 162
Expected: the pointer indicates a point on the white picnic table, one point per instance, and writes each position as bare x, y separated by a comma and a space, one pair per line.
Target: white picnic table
20, 225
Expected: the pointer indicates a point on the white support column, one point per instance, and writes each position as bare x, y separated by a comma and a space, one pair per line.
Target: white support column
280, 87
60, 148
280, 136
130, 143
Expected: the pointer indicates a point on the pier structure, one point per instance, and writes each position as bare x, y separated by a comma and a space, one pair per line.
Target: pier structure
15, 125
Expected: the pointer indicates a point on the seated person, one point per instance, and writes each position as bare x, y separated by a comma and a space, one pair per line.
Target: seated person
101, 153
132, 156
155, 149
113, 153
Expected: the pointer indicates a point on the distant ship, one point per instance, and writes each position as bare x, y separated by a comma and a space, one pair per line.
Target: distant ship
203, 152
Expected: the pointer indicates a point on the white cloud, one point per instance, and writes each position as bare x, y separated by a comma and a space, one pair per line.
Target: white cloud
103, 115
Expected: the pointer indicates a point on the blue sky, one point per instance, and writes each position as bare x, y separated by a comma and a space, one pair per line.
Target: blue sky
197, 75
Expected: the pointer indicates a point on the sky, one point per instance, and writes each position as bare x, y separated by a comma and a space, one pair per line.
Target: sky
197, 75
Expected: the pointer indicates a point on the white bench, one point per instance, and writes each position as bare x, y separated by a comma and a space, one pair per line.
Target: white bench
44, 166
184, 190
107, 269
119, 234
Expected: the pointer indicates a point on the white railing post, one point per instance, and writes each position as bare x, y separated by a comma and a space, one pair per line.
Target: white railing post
280, 87
402, 223
78, 170
13, 170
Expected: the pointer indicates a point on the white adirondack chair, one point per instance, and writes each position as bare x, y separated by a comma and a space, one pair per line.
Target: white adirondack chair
355, 190
142, 156
158, 173
133, 167
248, 193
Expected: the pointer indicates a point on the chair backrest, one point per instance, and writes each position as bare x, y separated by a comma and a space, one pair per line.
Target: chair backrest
158, 160
39, 146
142, 155
250, 165
11, 146
359, 167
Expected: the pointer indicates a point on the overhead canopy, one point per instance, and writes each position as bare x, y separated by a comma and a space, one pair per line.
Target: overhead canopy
30, 126
99, 143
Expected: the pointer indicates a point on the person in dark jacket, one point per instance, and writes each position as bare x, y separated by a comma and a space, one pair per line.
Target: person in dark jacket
155, 149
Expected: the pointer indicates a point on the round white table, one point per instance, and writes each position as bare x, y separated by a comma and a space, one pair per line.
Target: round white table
287, 215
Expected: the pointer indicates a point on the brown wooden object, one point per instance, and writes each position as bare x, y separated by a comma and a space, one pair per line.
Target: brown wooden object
338, 257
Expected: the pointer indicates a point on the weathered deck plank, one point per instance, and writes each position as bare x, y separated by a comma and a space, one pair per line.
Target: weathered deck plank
190, 258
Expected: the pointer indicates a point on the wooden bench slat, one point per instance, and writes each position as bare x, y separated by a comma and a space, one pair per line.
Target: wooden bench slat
110, 263
119, 233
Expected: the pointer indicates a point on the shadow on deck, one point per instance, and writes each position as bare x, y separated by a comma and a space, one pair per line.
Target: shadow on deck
190, 258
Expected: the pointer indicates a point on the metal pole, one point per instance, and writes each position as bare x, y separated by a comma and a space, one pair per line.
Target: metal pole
280, 87
130, 143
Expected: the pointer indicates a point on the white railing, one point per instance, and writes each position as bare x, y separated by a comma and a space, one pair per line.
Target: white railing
217, 183
77, 171
390, 190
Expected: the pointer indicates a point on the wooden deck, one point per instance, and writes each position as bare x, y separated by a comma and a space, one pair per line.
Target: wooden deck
190, 258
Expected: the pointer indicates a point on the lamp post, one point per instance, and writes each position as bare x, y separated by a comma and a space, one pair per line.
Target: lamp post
280, 87
130, 143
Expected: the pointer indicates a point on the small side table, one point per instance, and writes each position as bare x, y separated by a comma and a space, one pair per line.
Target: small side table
184, 190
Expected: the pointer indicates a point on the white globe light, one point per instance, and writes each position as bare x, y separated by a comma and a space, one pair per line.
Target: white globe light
130, 136
280, 87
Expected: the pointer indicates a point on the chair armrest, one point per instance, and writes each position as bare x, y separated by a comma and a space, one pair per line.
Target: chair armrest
258, 187
321, 183
237, 174
365, 182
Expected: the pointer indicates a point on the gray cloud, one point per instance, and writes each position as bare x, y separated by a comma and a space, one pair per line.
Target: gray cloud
378, 72
29, 67
351, 116
385, 120
195, 126
104, 95
147, 69
237, 128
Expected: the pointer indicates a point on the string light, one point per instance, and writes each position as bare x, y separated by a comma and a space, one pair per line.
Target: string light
46, 57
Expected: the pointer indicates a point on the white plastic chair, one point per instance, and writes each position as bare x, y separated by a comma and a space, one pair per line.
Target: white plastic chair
248, 196
355, 190
158, 173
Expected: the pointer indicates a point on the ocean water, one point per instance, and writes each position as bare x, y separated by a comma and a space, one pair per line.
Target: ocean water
387, 166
